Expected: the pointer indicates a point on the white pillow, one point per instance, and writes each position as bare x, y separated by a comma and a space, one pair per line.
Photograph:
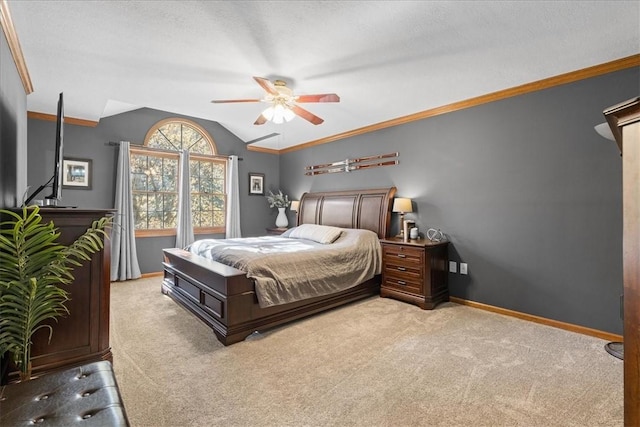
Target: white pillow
318, 233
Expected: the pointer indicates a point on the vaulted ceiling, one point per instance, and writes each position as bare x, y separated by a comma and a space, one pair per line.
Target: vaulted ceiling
385, 59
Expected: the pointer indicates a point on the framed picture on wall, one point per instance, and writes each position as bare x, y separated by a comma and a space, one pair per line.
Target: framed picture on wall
256, 184
76, 174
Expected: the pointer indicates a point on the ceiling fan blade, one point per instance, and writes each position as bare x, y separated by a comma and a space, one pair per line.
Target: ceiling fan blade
266, 85
324, 97
307, 115
260, 120
224, 101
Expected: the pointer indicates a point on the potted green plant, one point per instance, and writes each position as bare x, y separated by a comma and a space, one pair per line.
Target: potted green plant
33, 265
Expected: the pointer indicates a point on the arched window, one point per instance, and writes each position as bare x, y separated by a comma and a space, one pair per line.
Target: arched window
155, 177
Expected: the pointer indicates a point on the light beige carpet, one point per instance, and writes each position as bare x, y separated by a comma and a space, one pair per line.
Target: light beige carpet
378, 362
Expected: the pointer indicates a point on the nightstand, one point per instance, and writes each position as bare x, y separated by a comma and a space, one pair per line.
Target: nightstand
415, 271
276, 231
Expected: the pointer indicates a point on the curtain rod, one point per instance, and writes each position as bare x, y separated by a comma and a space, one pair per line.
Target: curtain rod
116, 143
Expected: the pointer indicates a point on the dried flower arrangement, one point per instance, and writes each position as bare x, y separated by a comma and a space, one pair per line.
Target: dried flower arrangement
278, 200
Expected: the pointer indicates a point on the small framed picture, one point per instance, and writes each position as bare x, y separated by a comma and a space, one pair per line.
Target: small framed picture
76, 174
256, 184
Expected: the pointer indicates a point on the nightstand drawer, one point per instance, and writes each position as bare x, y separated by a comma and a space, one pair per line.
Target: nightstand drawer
404, 253
404, 270
403, 284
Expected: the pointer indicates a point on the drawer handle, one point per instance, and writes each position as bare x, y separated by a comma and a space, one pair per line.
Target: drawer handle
402, 282
402, 256
402, 269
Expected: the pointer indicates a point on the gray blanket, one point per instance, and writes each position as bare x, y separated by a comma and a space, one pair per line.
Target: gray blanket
287, 269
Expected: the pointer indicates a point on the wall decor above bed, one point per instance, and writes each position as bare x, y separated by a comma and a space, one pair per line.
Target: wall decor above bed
349, 165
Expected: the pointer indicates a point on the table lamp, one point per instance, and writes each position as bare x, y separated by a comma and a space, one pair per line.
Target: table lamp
402, 206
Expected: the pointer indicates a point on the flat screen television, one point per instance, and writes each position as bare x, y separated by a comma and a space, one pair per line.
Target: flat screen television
56, 178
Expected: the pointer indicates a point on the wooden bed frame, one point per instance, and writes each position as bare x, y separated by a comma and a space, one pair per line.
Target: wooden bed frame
224, 297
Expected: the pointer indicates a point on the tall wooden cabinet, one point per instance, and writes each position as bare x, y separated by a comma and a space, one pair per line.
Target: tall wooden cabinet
83, 335
624, 121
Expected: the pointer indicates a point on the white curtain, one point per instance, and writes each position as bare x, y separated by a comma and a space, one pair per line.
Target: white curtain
184, 231
233, 199
124, 258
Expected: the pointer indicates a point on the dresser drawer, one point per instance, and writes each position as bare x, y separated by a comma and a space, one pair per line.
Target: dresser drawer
407, 255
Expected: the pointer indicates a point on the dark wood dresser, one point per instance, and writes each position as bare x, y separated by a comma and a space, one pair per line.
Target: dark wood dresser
415, 271
82, 336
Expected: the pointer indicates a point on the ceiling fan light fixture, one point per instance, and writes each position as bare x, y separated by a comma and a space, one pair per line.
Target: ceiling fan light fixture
288, 114
268, 113
283, 104
278, 114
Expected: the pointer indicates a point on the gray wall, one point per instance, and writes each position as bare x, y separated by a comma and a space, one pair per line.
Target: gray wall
93, 143
528, 193
13, 130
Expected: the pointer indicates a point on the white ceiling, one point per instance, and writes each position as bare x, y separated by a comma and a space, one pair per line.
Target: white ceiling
384, 59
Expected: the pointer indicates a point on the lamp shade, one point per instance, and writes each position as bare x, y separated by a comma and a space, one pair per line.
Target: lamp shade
402, 205
294, 205
604, 131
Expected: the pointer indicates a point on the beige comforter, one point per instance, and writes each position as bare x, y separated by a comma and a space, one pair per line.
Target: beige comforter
287, 269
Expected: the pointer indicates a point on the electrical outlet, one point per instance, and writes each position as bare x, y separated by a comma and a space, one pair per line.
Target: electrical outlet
463, 268
453, 267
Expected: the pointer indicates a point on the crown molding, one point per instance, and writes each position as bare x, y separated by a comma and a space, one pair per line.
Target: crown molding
67, 120
573, 76
14, 46
263, 150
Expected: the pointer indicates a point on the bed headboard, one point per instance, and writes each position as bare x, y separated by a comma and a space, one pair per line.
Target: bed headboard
368, 209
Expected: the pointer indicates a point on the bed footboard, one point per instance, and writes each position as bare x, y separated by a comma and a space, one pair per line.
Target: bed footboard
224, 298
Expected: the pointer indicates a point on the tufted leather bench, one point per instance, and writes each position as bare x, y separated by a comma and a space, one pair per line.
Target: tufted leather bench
85, 396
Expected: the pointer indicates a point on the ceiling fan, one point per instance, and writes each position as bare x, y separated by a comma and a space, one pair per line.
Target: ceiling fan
284, 103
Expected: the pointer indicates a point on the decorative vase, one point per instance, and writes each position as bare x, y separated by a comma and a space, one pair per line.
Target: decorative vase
281, 219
